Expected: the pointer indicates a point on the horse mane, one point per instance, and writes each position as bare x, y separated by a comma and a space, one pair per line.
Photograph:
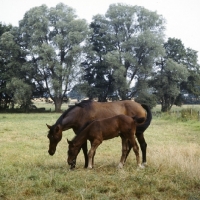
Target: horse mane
82, 104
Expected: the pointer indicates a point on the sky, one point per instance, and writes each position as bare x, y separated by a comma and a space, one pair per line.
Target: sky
182, 16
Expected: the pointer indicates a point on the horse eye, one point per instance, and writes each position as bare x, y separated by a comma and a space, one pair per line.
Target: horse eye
50, 136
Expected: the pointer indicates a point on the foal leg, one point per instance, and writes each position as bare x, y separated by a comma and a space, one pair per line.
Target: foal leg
93, 158
135, 149
129, 146
91, 153
143, 146
124, 152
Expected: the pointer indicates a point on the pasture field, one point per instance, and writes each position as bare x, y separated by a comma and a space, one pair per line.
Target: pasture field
28, 172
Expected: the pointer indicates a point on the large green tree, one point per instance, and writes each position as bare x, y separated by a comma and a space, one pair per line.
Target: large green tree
52, 38
192, 84
12, 58
125, 43
166, 82
4, 97
176, 71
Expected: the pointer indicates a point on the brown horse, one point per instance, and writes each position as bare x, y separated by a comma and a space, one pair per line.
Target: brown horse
86, 111
104, 129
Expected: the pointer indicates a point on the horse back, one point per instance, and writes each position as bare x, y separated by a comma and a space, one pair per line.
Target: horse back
81, 114
102, 129
108, 128
110, 109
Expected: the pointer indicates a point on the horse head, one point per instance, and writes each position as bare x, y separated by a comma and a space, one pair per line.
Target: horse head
72, 154
54, 135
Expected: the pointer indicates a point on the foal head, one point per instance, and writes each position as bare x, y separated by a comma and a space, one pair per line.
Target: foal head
54, 135
72, 154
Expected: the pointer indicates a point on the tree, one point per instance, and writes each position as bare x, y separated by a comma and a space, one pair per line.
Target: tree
175, 72
97, 72
192, 84
144, 94
22, 92
124, 45
4, 98
77, 92
166, 82
52, 37
12, 66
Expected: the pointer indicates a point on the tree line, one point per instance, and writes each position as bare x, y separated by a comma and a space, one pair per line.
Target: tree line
122, 54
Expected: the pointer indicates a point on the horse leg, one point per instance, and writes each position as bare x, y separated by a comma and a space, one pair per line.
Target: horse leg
125, 149
135, 149
143, 146
129, 146
85, 151
93, 158
91, 154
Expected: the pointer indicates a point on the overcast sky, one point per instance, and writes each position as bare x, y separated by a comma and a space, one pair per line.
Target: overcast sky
182, 16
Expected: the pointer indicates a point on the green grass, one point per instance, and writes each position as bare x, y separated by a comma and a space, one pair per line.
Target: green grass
49, 106
28, 172
179, 108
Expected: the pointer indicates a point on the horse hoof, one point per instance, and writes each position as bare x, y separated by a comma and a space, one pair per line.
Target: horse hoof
144, 164
120, 166
140, 167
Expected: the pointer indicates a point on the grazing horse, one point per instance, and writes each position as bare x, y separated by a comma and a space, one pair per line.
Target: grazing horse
87, 111
105, 129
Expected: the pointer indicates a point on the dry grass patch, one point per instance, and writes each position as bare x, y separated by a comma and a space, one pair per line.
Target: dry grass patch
28, 172
184, 159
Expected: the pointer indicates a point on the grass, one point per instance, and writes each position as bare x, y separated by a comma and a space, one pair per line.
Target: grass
28, 172
179, 108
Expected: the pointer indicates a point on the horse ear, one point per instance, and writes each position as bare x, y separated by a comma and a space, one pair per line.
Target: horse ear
48, 126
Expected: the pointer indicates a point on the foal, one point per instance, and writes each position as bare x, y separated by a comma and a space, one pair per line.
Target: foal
104, 129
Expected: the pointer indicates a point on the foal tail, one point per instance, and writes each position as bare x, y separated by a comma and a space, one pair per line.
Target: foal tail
139, 121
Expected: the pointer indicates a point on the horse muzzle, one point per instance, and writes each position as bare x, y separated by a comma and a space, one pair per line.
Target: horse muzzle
51, 152
72, 163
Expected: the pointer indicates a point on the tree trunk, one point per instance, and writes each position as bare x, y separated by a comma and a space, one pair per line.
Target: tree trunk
102, 98
58, 104
165, 106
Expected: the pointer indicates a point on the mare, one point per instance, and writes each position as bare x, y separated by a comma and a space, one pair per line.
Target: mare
104, 129
87, 111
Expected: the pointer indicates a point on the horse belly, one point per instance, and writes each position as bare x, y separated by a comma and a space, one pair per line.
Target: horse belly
109, 135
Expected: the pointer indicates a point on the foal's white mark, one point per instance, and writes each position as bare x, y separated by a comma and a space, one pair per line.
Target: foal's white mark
120, 166
141, 166
144, 164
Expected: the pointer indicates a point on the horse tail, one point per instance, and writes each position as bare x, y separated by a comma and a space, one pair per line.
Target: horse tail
139, 121
149, 114
142, 127
143, 123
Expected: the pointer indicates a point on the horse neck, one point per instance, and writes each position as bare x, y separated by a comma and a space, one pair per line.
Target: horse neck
74, 120
69, 122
